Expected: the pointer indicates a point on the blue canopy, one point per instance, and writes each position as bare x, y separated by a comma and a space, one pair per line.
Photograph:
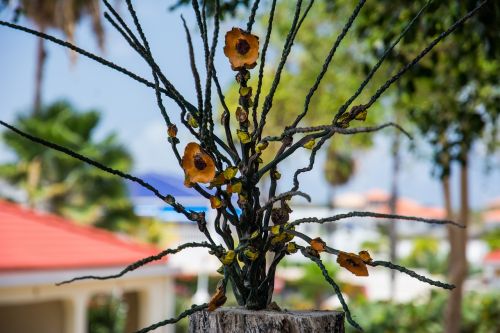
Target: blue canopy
166, 184
147, 204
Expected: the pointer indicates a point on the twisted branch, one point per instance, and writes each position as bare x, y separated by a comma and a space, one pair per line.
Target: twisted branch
375, 215
194, 308
335, 286
140, 263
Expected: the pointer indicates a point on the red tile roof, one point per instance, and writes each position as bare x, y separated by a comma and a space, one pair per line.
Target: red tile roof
377, 195
493, 256
31, 240
412, 208
492, 216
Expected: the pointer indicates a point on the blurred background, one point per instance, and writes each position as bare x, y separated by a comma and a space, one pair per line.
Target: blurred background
60, 218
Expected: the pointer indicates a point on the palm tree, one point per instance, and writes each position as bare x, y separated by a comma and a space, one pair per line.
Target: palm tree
61, 15
57, 183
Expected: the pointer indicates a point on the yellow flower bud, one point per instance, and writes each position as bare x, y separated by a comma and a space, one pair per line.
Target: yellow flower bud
309, 144
230, 172
228, 258
243, 136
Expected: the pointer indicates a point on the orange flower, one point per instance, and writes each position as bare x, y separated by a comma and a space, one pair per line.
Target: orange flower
365, 256
353, 263
172, 131
242, 49
198, 165
215, 202
318, 244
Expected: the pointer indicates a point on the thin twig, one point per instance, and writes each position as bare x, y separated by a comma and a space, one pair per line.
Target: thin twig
261, 66
194, 69
328, 60
412, 274
91, 56
171, 201
340, 130
415, 61
251, 18
140, 263
268, 102
375, 215
387, 51
282, 196
336, 288
194, 308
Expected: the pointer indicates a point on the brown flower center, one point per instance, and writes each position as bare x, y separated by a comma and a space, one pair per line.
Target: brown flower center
352, 262
242, 46
199, 162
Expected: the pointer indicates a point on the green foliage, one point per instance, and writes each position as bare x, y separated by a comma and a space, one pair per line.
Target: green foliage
339, 167
453, 95
492, 238
425, 254
61, 184
312, 289
376, 246
311, 46
227, 7
480, 314
106, 314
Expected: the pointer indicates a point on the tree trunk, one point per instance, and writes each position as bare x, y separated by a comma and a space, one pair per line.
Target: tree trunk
225, 320
41, 56
393, 234
458, 257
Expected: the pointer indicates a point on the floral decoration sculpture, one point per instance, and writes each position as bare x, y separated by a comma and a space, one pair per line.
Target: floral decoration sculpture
250, 231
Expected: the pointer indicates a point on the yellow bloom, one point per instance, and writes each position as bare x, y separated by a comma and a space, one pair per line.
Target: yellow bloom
309, 144
230, 172
228, 257
251, 253
243, 136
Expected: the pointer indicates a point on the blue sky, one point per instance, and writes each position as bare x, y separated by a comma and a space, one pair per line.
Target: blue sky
129, 108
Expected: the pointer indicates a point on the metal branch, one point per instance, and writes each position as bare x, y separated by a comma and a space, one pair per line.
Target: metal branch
387, 51
261, 66
415, 60
251, 18
209, 123
167, 198
282, 196
277, 76
361, 108
328, 60
140, 263
335, 286
312, 159
194, 308
412, 274
340, 130
375, 215
194, 69
92, 56
286, 153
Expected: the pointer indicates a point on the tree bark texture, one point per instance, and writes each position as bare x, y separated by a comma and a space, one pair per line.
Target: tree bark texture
239, 320
458, 258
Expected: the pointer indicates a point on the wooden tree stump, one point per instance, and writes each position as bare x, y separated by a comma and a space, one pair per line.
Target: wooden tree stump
238, 320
